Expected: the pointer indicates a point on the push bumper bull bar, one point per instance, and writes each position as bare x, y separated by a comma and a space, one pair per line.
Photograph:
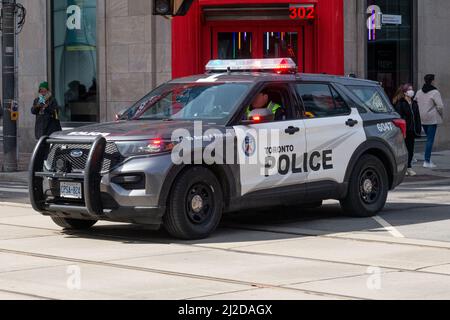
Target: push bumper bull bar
91, 177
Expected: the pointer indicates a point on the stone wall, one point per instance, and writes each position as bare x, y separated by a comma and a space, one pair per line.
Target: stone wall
134, 56
135, 53
32, 68
354, 38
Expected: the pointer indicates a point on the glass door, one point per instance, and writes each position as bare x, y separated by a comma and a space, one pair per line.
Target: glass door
234, 43
390, 49
251, 41
283, 43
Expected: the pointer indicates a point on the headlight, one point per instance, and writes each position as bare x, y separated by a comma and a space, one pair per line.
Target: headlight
144, 147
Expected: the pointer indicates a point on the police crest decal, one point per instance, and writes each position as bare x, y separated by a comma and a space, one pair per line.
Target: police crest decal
249, 145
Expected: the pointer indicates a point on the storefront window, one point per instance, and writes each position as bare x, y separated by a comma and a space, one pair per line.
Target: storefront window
390, 45
235, 45
74, 63
280, 45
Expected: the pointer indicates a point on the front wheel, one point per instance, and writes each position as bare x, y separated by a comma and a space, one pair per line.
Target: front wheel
73, 224
368, 188
195, 205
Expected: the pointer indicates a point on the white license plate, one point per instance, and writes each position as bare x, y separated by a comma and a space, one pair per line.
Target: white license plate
71, 190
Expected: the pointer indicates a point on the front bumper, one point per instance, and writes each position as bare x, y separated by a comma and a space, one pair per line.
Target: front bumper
102, 199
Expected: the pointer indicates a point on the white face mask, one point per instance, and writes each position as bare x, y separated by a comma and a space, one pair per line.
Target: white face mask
410, 93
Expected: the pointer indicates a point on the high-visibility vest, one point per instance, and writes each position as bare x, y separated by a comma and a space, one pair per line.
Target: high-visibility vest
273, 107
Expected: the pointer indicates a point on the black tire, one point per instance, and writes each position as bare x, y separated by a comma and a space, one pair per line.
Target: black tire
195, 205
74, 224
368, 188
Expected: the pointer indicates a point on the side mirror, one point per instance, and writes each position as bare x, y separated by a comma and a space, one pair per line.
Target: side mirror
259, 116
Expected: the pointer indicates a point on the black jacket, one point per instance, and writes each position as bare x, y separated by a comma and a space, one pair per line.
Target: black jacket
411, 114
47, 119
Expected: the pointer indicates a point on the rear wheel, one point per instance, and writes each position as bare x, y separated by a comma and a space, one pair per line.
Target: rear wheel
368, 188
74, 224
195, 205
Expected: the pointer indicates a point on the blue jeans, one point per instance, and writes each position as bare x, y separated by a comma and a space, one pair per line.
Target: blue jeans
431, 135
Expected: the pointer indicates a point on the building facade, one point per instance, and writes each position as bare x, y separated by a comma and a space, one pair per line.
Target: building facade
102, 55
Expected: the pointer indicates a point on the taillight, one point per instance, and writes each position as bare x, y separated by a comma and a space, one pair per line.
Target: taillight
401, 124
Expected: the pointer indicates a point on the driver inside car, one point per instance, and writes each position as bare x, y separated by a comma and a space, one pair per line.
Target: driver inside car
262, 101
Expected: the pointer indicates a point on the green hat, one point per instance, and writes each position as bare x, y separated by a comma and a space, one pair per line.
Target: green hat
43, 85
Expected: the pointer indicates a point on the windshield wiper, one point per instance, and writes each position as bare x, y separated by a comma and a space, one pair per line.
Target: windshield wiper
156, 119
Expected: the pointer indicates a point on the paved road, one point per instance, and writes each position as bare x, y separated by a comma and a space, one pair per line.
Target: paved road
286, 253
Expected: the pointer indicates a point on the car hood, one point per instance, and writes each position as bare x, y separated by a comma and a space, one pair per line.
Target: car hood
130, 130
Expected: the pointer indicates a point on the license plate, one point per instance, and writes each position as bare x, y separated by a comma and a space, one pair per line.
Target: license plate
70, 190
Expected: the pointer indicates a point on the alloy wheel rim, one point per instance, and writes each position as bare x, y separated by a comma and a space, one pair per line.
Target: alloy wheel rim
199, 203
370, 186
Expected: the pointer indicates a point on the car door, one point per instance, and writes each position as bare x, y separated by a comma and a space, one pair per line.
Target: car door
269, 153
333, 131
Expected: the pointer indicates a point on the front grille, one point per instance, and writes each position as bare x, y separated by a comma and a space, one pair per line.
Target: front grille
112, 156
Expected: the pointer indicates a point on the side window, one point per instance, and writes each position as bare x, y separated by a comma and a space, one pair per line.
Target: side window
321, 101
371, 98
277, 99
341, 105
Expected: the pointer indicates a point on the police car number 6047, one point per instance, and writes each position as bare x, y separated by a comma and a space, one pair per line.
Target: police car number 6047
198, 147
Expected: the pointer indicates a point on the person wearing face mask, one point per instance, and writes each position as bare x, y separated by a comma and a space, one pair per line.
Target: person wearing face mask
407, 108
46, 110
431, 109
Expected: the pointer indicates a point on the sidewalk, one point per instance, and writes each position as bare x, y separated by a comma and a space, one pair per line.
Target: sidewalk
441, 159
14, 177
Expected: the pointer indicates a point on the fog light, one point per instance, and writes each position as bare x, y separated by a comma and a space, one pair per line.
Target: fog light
130, 182
126, 179
63, 165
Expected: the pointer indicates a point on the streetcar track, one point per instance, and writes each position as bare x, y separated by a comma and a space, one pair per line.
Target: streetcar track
34, 296
398, 269
339, 278
339, 236
256, 289
238, 251
102, 235
232, 250
333, 235
256, 285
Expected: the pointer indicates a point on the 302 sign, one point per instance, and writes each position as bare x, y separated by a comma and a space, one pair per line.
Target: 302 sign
302, 13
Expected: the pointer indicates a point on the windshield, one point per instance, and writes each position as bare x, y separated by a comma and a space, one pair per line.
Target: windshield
195, 101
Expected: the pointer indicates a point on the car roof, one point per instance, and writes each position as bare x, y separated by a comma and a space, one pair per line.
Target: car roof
254, 77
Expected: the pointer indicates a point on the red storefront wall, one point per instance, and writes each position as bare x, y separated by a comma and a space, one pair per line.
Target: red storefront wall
189, 34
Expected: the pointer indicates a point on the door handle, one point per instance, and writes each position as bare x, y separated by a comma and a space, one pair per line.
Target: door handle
292, 130
351, 123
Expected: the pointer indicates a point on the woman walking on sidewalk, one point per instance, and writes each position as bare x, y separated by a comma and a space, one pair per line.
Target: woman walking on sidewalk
432, 113
409, 111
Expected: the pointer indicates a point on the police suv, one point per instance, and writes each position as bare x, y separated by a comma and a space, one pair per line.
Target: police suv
247, 134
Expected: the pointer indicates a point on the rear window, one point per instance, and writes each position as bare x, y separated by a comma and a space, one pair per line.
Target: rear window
372, 98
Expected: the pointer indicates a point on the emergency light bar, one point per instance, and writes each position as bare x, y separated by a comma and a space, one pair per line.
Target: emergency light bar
279, 65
